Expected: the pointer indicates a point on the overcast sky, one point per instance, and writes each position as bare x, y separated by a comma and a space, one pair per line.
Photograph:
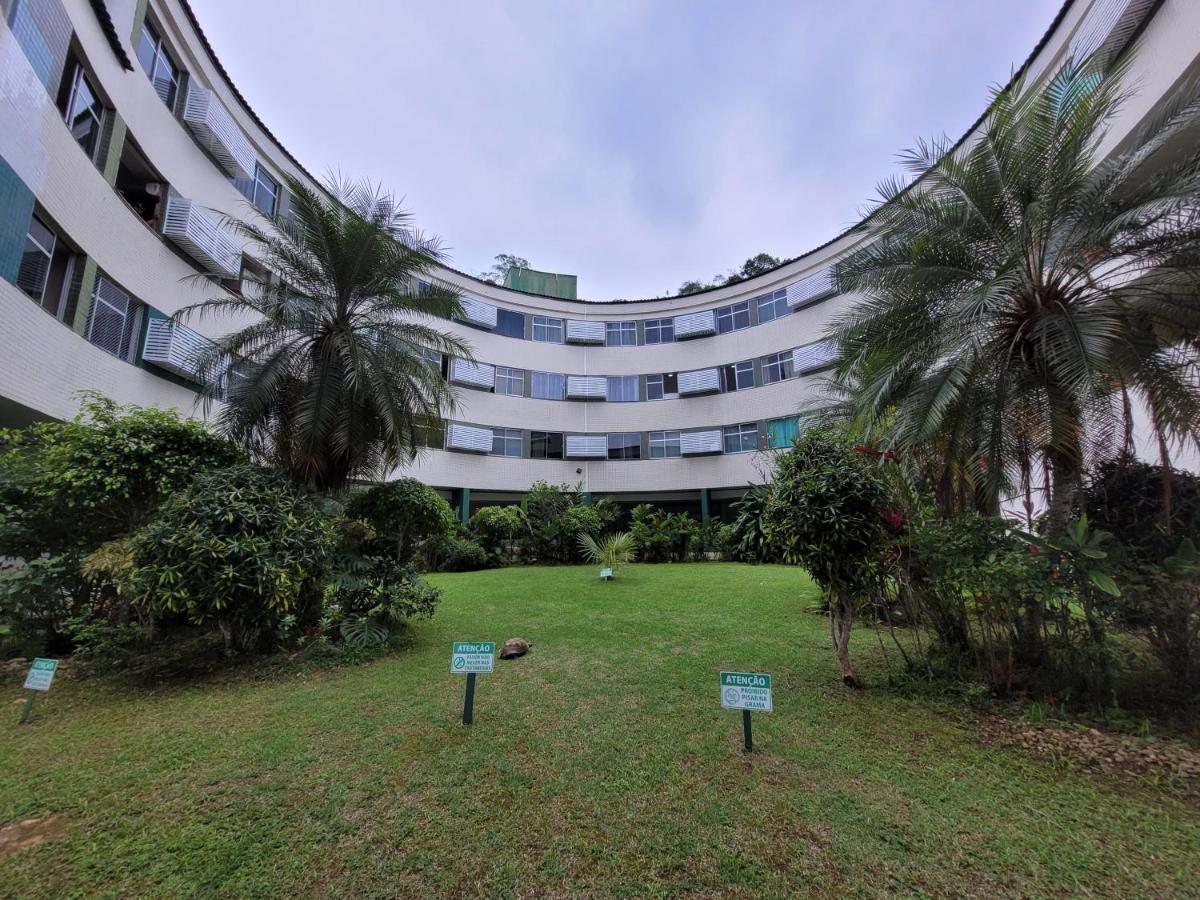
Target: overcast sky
634, 143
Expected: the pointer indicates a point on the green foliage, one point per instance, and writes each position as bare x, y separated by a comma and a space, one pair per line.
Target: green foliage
749, 539
610, 551
457, 553
237, 548
378, 602
825, 512
1154, 520
660, 536
67, 486
496, 529
758, 264
1028, 296
557, 516
404, 514
336, 383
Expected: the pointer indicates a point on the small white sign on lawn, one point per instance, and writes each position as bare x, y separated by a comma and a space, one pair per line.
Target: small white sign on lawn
41, 673
746, 690
472, 656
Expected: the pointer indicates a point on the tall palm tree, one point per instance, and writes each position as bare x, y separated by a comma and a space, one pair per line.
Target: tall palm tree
1025, 295
336, 375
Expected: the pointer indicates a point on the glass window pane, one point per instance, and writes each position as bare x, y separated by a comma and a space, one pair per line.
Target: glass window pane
654, 387
547, 385
509, 323
622, 388
506, 442
546, 445
510, 381
782, 432
547, 329
660, 331
147, 49
625, 446
266, 192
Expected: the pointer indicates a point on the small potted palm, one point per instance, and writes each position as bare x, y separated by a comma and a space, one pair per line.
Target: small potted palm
610, 551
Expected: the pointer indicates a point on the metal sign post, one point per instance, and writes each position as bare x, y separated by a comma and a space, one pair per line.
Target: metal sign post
746, 691
40, 677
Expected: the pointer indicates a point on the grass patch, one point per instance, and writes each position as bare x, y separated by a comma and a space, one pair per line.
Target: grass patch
599, 764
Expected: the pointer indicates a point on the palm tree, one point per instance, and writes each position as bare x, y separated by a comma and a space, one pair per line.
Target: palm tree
1026, 293
337, 375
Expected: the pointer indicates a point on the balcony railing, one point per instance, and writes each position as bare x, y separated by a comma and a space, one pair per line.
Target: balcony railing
470, 438
700, 381
699, 443
584, 332
693, 325
200, 234
814, 357
208, 119
587, 446
586, 387
811, 289
476, 312
175, 347
472, 374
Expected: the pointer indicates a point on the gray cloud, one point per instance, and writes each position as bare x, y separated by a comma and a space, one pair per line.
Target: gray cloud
635, 144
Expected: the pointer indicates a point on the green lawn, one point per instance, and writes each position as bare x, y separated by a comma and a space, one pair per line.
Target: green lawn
601, 764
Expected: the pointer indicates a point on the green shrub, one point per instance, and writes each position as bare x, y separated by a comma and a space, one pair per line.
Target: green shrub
404, 514
825, 513
497, 529
238, 549
461, 554
378, 601
749, 541
660, 536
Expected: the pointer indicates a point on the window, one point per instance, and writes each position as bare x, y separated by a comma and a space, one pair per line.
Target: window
506, 442
262, 190
545, 445
741, 438
621, 389
433, 436
777, 367
732, 318
660, 331
625, 445
114, 319
509, 323
510, 381
772, 306
35, 260
782, 432
737, 377
664, 444
164, 74
547, 385
620, 334
659, 387
547, 329
84, 113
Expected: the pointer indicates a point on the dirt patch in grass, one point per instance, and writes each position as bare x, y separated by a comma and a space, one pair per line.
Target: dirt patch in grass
31, 833
1146, 765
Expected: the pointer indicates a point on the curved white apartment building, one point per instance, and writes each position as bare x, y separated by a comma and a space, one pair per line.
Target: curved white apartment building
123, 141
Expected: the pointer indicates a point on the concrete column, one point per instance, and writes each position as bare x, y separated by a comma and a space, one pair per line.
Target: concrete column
704, 504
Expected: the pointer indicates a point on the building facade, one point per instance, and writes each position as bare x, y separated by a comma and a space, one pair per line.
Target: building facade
123, 144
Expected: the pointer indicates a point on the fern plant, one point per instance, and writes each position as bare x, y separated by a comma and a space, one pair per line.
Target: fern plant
610, 551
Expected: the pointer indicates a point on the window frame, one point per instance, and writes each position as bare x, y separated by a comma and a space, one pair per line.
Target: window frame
623, 382
656, 382
625, 332
732, 315
771, 444
550, 326
97, 134
740, 433
48, 255
538, 439
505, 437
659, 327
533, 380
626, 450
776, 367
511, 377
161, 52
776, 302
664, 441
745, 368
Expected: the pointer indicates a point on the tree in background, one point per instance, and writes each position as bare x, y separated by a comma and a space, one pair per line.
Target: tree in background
334, 379
1020, 297
758, 264
500, 266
